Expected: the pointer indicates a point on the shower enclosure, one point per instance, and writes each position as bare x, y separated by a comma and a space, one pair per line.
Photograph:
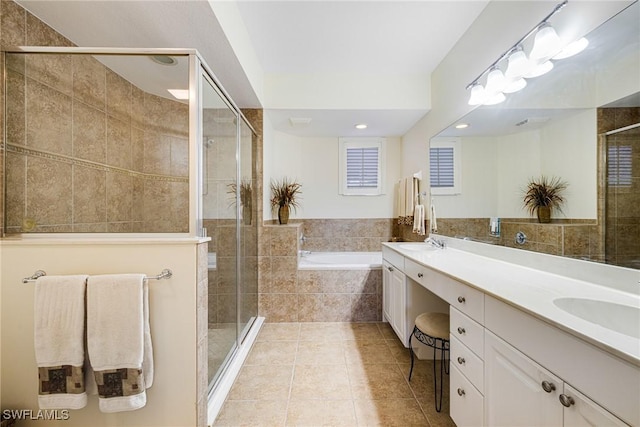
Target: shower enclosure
143, 142
622, 199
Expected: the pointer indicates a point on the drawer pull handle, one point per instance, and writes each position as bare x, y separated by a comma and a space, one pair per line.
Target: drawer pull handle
420, 275
460, 392
461, 330
390, 268
461, 300
548, 387
566, 400
461, 360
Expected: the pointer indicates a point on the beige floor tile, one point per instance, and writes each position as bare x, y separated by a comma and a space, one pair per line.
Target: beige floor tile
279, 332
387, 331
336, 413
422, 378
400, 353
320, 382
378, 382
320, 353
361, 331
252, 413
437, 419
368, 352
273, 353
261, 382
320, 331
390, 413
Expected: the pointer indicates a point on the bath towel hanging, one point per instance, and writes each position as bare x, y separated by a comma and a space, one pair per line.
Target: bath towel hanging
59, 341
119, 340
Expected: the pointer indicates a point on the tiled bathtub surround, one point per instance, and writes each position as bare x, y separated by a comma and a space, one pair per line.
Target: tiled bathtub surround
290, 295
87, 151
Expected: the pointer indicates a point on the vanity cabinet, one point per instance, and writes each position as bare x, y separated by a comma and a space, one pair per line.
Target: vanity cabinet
520, 392
510, 367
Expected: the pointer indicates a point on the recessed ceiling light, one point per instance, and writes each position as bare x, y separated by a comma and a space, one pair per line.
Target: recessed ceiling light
462, 125
361, 126
179, 93
163, 59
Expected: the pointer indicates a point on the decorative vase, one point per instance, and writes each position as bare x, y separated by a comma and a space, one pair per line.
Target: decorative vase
544, 214
283, 214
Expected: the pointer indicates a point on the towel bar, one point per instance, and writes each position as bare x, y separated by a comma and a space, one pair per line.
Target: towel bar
164, 274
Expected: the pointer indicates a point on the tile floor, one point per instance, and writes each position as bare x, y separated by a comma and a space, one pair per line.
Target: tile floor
332, 374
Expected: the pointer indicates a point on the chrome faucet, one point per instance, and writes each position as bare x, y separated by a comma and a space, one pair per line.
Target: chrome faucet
438, 243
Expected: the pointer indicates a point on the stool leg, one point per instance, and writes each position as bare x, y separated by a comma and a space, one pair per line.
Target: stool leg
446, 367
438, 402
411, 352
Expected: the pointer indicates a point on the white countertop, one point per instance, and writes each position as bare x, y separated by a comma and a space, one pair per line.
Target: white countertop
533, 291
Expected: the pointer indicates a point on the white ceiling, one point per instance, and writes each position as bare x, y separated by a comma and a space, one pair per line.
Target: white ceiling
361, 37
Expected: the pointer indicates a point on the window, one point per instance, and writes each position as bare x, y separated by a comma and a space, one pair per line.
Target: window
444, 166
361, 166
619, 165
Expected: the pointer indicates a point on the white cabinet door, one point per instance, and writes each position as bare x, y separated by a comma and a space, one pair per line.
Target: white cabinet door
387, 272
518, 392
582, 411
399, 303
394, 298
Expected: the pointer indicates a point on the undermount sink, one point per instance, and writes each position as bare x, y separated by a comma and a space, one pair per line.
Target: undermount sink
624, 319
417, 247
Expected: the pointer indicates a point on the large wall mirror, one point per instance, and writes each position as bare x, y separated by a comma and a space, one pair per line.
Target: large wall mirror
564, 124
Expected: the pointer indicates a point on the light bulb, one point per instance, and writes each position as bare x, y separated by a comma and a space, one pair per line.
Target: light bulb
546, 43
518, 64
478, 94
573, 48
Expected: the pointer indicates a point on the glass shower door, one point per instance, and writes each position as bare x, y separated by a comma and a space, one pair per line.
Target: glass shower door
220, 135
248, 285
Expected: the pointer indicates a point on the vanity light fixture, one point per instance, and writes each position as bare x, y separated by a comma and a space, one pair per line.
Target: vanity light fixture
518, 67
361, 126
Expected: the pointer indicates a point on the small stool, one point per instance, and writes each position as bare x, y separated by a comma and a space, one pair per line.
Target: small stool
432, 329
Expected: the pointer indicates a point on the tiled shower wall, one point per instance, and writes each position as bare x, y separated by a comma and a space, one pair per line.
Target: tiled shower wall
86, 150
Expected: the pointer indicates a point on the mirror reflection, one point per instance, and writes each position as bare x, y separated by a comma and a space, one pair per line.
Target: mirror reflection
565, 124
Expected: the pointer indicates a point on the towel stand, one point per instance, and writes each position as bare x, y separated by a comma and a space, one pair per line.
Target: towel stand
164, 274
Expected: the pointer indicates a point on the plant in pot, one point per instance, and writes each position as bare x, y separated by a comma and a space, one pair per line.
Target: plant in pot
245, 199
544, 194
284, 195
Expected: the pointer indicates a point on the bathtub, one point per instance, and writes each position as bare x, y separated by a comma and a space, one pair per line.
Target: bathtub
340, 261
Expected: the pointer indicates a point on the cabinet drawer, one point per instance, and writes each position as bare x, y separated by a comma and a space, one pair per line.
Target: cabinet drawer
468, 300
468, 363
393, 257
466, 403
468, 331
430, 279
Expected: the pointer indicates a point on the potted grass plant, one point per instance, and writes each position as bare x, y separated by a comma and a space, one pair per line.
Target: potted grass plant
544, 194
284, 195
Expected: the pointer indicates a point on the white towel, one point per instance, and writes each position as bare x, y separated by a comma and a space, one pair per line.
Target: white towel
59, 341
401, 205
119, 340
432, 218
418, 220
410, 196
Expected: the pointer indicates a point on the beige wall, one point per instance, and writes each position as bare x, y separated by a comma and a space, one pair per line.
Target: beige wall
171, 401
